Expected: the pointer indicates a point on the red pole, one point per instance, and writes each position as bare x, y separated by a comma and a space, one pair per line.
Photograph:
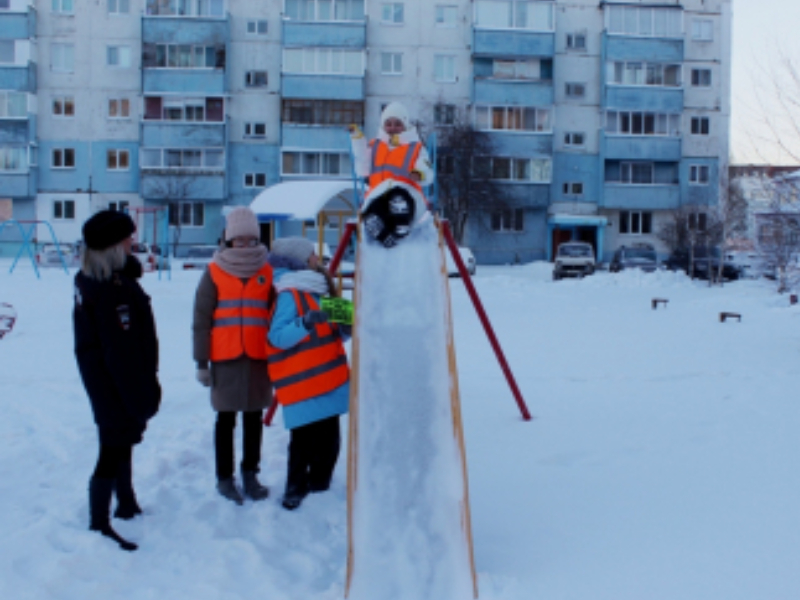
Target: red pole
271, 412
476, 301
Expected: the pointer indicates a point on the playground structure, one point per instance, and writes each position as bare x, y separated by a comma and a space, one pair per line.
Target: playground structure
27, 230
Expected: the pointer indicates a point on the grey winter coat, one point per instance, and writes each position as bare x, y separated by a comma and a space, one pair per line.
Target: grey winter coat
237, 385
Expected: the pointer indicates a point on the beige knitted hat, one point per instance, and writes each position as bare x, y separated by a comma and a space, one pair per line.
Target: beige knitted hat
241, 222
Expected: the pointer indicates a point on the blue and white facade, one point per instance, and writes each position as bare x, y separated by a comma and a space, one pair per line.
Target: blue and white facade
604, 114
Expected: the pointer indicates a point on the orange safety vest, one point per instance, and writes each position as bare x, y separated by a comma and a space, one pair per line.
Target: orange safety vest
241, 319
393, 163
314, 366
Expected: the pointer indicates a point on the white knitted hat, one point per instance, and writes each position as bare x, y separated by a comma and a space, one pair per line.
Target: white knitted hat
397, 111
241, 222
297, 249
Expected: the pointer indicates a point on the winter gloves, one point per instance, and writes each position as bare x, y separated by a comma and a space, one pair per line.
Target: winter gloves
204, 377
314, 317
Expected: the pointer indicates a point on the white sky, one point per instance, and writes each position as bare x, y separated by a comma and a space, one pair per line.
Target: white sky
763, 32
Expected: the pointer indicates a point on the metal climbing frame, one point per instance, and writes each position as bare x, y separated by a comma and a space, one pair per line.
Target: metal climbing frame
27, 240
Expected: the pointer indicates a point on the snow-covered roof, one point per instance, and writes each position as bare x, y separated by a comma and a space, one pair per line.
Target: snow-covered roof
578, 220
303, 200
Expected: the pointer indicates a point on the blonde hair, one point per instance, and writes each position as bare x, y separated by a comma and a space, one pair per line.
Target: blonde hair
101, 264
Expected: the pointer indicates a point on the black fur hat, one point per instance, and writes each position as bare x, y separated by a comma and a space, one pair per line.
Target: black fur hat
107, 228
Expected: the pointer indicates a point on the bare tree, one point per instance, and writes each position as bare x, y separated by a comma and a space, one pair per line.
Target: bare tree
726, 222
685, 230
173, 189
778, 231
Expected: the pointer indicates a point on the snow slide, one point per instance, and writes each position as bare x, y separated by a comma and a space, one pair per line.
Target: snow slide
408, 508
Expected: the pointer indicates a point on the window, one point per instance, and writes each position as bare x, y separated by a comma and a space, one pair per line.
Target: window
201, 8
635, 222
119, 7
642, 123
701, 125
703, 30
392, 12
644, 21
187, 214
63, 106
183, 56
183, 159
513, 118
519, 69
523, 170
446, 15
171, 108
444, 68
508, 219
316, 164
699, 174
118, 56
644, 73
323, 112
321, 61
444, 114
255, 79
64, 210
255, 130
325, 10
7, 52
573, 188
118, 160
63, 158
575, 90
253, 180
119, 206
634, 173
62, 58
391, 63
576, 41
257, 27
119, 108
698, 221
13, 104
572, 138
62, 6
701, 77
515, 14
14, 158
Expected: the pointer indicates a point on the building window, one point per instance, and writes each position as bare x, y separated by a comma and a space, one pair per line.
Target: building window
183, 159
204, 8
444, 68
698, 221
119, 7
446, 15
699, 174
255, 130
518, 69
325, 10
392, 12
703, 30
515, 14
119, 206
14, 159
255, 180
644, 73
13, 104
642, 123
635, 222
255, 79
508, 219
575, 90
323, 61
7, 52
183, 56
63, 106
519, 170
118, 56
63, 6
576, 41
444, 114
257, 27
574, 139
316, 164
62, 58
323, 112
119, 108
118, 160
187, 214
391, 63
513, 118
644, 21
573, 188
701, 77
64, 210
170, 108
63, 158
701, 125
636, 173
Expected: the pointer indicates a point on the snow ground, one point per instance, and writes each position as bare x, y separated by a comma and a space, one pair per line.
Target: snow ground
663, 462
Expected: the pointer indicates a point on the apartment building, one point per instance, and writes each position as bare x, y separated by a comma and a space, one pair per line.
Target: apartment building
603, 114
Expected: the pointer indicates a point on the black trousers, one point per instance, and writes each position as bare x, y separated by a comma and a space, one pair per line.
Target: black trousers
251, 442
313, 452
113, 460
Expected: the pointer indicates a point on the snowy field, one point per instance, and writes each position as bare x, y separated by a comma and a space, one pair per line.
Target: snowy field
663, 462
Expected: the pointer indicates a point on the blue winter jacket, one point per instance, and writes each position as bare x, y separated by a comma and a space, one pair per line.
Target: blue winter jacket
287, 330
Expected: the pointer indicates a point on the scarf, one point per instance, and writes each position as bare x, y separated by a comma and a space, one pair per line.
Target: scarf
241, 262
307, 280
398, 139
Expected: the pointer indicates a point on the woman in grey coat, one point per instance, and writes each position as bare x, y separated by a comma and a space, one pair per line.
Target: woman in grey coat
230, 325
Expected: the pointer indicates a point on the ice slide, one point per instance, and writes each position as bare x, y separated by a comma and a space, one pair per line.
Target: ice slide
408, 507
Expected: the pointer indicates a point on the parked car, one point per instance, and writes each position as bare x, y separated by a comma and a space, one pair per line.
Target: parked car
145, 254
636, 256
466, 256
199, 257
751, 265
574, 259
48, 255
705, 262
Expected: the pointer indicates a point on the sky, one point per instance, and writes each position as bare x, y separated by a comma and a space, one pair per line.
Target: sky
764, 31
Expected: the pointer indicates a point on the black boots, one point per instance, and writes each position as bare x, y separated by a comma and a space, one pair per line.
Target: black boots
252, 486
100, 492
227, 489
293, 497
127, 506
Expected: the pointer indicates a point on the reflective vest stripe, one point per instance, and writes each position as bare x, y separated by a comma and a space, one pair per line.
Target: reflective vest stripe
312, 372
385, 163
240, 321
314, 342
243, 302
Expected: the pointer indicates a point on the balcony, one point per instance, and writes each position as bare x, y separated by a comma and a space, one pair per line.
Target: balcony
184, 30
643, 148
182, 184
512, 43
324, 87
513, 92
19, 25
180, 134
641, 197
202, 82
16, 131
343, 34
318, 137
18, 183
644, 49
19, 78
645, 98
521, 143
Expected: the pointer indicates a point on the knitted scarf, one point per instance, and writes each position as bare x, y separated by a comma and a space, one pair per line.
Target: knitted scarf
307, 280
241, 262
